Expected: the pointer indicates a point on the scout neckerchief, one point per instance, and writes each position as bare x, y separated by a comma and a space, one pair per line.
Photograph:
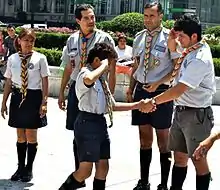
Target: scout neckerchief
180, 60
149, 38
24, 74
108, 99
84, 39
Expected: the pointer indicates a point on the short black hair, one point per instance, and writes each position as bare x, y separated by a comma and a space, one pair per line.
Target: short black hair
189, 24
102, 51
10, 26
152, 4
80, 8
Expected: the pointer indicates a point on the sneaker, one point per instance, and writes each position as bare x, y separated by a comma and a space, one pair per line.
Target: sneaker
162, 187
142, 186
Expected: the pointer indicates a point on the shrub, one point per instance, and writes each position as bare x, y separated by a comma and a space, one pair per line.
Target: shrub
129, 23
48, 40
217, 66
104, 25
213, 30
168, 24
53, 56
215, 50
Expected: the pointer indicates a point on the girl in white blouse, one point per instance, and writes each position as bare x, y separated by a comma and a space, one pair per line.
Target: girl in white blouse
27, 81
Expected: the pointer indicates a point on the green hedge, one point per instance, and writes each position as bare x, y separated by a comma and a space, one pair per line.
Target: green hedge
48, 40
213, 30
53, 58
217, 66
215, 50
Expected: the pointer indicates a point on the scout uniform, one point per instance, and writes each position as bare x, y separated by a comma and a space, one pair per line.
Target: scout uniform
74, 55
26, 95
155, 63
193, 118
90, 128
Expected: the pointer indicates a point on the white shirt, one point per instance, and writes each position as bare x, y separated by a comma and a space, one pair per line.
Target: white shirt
197, 72
91, 99
124, 53
37, 69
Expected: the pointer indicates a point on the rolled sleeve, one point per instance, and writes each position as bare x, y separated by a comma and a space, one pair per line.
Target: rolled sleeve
44, 68
8, 73
80, 85
109, 40
189, 76
65, 56
175, 55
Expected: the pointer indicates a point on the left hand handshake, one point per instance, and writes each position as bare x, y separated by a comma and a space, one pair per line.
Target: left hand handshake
146, 106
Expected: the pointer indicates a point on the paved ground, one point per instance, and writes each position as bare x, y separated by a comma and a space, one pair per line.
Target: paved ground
54, 160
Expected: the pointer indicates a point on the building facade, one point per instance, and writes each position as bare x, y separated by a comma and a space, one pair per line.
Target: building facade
63, 10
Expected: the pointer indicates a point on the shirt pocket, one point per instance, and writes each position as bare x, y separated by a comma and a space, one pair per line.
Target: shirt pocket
159, 54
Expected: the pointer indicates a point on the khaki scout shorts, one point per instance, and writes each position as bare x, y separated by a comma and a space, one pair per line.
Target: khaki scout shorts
190, 127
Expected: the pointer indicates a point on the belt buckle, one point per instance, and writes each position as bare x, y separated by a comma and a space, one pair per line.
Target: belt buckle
181, 108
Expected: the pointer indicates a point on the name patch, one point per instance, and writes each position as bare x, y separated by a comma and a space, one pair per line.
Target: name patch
160, 48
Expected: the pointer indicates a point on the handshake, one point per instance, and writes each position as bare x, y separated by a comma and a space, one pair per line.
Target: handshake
146, 105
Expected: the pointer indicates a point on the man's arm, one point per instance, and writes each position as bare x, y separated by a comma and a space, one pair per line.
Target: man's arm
112, 76
66, 77
133, 82
171, 94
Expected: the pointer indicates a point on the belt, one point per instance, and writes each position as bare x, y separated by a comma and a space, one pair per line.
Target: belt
185, 108
91, 115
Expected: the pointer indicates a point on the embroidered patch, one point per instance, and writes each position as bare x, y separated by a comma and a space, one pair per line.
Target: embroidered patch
160, 48
30, 66
73, 49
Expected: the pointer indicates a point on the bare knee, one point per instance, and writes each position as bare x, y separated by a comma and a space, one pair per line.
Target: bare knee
21, 136
102, 168
201, 166
181, 159
162, 140
146, 136
31, 135
84, 171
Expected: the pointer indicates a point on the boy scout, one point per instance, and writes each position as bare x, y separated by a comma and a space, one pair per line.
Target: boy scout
90, 128
156, 49
193, 118
78, 45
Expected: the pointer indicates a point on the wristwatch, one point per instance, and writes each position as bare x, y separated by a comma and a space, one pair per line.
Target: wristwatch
153, 101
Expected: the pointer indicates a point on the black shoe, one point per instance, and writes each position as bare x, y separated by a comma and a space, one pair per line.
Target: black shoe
162, 187
72, 184
17, 175
142, 186
27, 175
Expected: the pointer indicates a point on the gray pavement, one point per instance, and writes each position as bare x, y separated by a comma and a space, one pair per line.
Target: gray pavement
54, 161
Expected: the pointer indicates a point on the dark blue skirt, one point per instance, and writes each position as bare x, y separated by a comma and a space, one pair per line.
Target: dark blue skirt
27, 115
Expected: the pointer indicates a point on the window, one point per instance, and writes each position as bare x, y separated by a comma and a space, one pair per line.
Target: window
59, 6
